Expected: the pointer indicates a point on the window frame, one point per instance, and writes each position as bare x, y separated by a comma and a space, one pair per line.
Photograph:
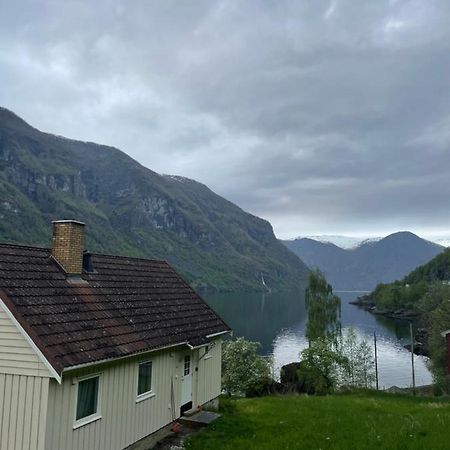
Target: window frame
77, 423
187, 359
147, 394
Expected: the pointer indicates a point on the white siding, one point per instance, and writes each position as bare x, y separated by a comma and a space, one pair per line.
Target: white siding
123, 420
16, 355
209, 373
23, 412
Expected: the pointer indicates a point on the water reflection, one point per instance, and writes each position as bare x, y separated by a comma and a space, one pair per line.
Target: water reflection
278, 322
260, 317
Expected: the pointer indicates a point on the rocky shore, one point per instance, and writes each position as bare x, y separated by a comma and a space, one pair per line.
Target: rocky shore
410, 315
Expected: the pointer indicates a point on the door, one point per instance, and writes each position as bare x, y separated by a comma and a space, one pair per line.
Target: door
186, 383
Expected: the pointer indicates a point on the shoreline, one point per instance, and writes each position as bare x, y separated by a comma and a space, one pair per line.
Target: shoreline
401, 314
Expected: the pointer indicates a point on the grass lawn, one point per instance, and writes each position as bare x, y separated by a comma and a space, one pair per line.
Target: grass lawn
348, 421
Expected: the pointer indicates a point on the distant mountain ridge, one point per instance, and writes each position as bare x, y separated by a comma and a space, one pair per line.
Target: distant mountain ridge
350, 242
131, 210
345, 242
373, 262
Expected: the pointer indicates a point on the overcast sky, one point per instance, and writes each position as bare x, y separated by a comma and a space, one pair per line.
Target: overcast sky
322, 116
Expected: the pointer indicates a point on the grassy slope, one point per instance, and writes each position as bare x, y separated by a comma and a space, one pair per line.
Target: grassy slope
354, 421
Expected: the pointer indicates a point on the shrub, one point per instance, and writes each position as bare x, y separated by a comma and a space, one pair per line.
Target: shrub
320, 367
243, 370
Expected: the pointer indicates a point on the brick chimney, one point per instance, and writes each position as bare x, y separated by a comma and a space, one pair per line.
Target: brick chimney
68, 245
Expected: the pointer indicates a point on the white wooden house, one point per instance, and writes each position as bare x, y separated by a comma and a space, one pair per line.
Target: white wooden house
98, 351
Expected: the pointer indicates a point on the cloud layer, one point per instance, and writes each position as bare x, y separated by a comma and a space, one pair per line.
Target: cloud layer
321, 116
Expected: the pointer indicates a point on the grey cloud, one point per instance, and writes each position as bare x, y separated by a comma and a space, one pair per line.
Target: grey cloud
322, 116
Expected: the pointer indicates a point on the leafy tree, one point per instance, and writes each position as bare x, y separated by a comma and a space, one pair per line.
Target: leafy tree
358, 354
324, 310
243, 370
325, 368
436, 306
320, 367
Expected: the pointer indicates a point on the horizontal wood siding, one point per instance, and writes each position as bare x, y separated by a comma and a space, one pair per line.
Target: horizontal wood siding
209, 373
123, 420
17, 357
23, 412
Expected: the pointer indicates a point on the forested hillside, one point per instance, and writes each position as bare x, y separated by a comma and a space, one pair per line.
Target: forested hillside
131, 210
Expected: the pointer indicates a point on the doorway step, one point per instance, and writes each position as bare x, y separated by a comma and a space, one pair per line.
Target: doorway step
199, 418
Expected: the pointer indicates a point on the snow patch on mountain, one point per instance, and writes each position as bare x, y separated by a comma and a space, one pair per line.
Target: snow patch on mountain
345, 242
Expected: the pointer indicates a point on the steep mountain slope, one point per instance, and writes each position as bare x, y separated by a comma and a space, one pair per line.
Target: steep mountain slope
132, 210
371, 263
436, 270
422, 290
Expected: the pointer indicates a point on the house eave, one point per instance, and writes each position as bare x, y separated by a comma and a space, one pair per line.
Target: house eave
145, 352
220, 333
120, 358
52, 372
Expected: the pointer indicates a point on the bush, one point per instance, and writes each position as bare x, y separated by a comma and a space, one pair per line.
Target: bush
320, 367
243, 370
326, 367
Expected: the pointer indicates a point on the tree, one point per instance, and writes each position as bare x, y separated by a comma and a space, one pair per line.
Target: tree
435, 304
358, 371
243, 370
325, 367
320, 367
324, 310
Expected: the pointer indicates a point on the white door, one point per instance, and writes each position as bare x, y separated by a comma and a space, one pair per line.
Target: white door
186, 380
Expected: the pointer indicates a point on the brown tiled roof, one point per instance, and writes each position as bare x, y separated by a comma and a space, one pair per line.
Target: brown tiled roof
124, 306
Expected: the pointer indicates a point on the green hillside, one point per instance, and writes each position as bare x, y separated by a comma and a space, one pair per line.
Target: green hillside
410, 291
134, 211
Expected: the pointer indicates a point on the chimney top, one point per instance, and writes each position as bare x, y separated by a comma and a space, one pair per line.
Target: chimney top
68, 245
76, 222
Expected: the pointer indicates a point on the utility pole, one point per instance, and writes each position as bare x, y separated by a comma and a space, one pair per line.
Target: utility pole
412, 358
376, 357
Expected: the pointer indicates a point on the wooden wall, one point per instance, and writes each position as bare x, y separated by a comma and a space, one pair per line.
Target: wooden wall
16, 355
123, 421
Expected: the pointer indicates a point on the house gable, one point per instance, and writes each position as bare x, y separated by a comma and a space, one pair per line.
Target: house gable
17, 355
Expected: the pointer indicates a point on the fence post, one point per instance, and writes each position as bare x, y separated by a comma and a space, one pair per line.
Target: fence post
376, 357
412, 358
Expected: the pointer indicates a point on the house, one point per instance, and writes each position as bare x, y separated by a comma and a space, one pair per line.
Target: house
98, 351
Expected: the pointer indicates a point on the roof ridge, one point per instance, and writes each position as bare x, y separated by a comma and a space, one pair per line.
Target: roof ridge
27, 246
134, 258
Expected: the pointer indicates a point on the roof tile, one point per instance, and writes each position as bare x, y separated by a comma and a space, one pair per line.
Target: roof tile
126, 305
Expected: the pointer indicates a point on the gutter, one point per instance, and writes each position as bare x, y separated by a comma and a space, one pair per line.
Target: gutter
107, 360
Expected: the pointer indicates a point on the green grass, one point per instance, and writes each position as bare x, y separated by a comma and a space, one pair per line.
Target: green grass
351, 421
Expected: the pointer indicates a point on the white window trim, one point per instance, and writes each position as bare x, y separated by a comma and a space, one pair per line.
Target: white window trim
98, 414
148, 394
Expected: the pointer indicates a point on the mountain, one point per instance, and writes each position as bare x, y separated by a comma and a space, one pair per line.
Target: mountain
372, 262
421, 291
436, 270
134, 211
346, 242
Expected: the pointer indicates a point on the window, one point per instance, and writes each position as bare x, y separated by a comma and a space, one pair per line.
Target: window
144, 389
87, 409
187, 365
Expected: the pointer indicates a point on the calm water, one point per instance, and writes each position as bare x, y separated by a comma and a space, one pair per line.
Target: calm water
278, 322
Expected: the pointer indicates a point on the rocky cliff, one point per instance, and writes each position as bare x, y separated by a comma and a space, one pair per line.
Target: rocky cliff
132, 210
